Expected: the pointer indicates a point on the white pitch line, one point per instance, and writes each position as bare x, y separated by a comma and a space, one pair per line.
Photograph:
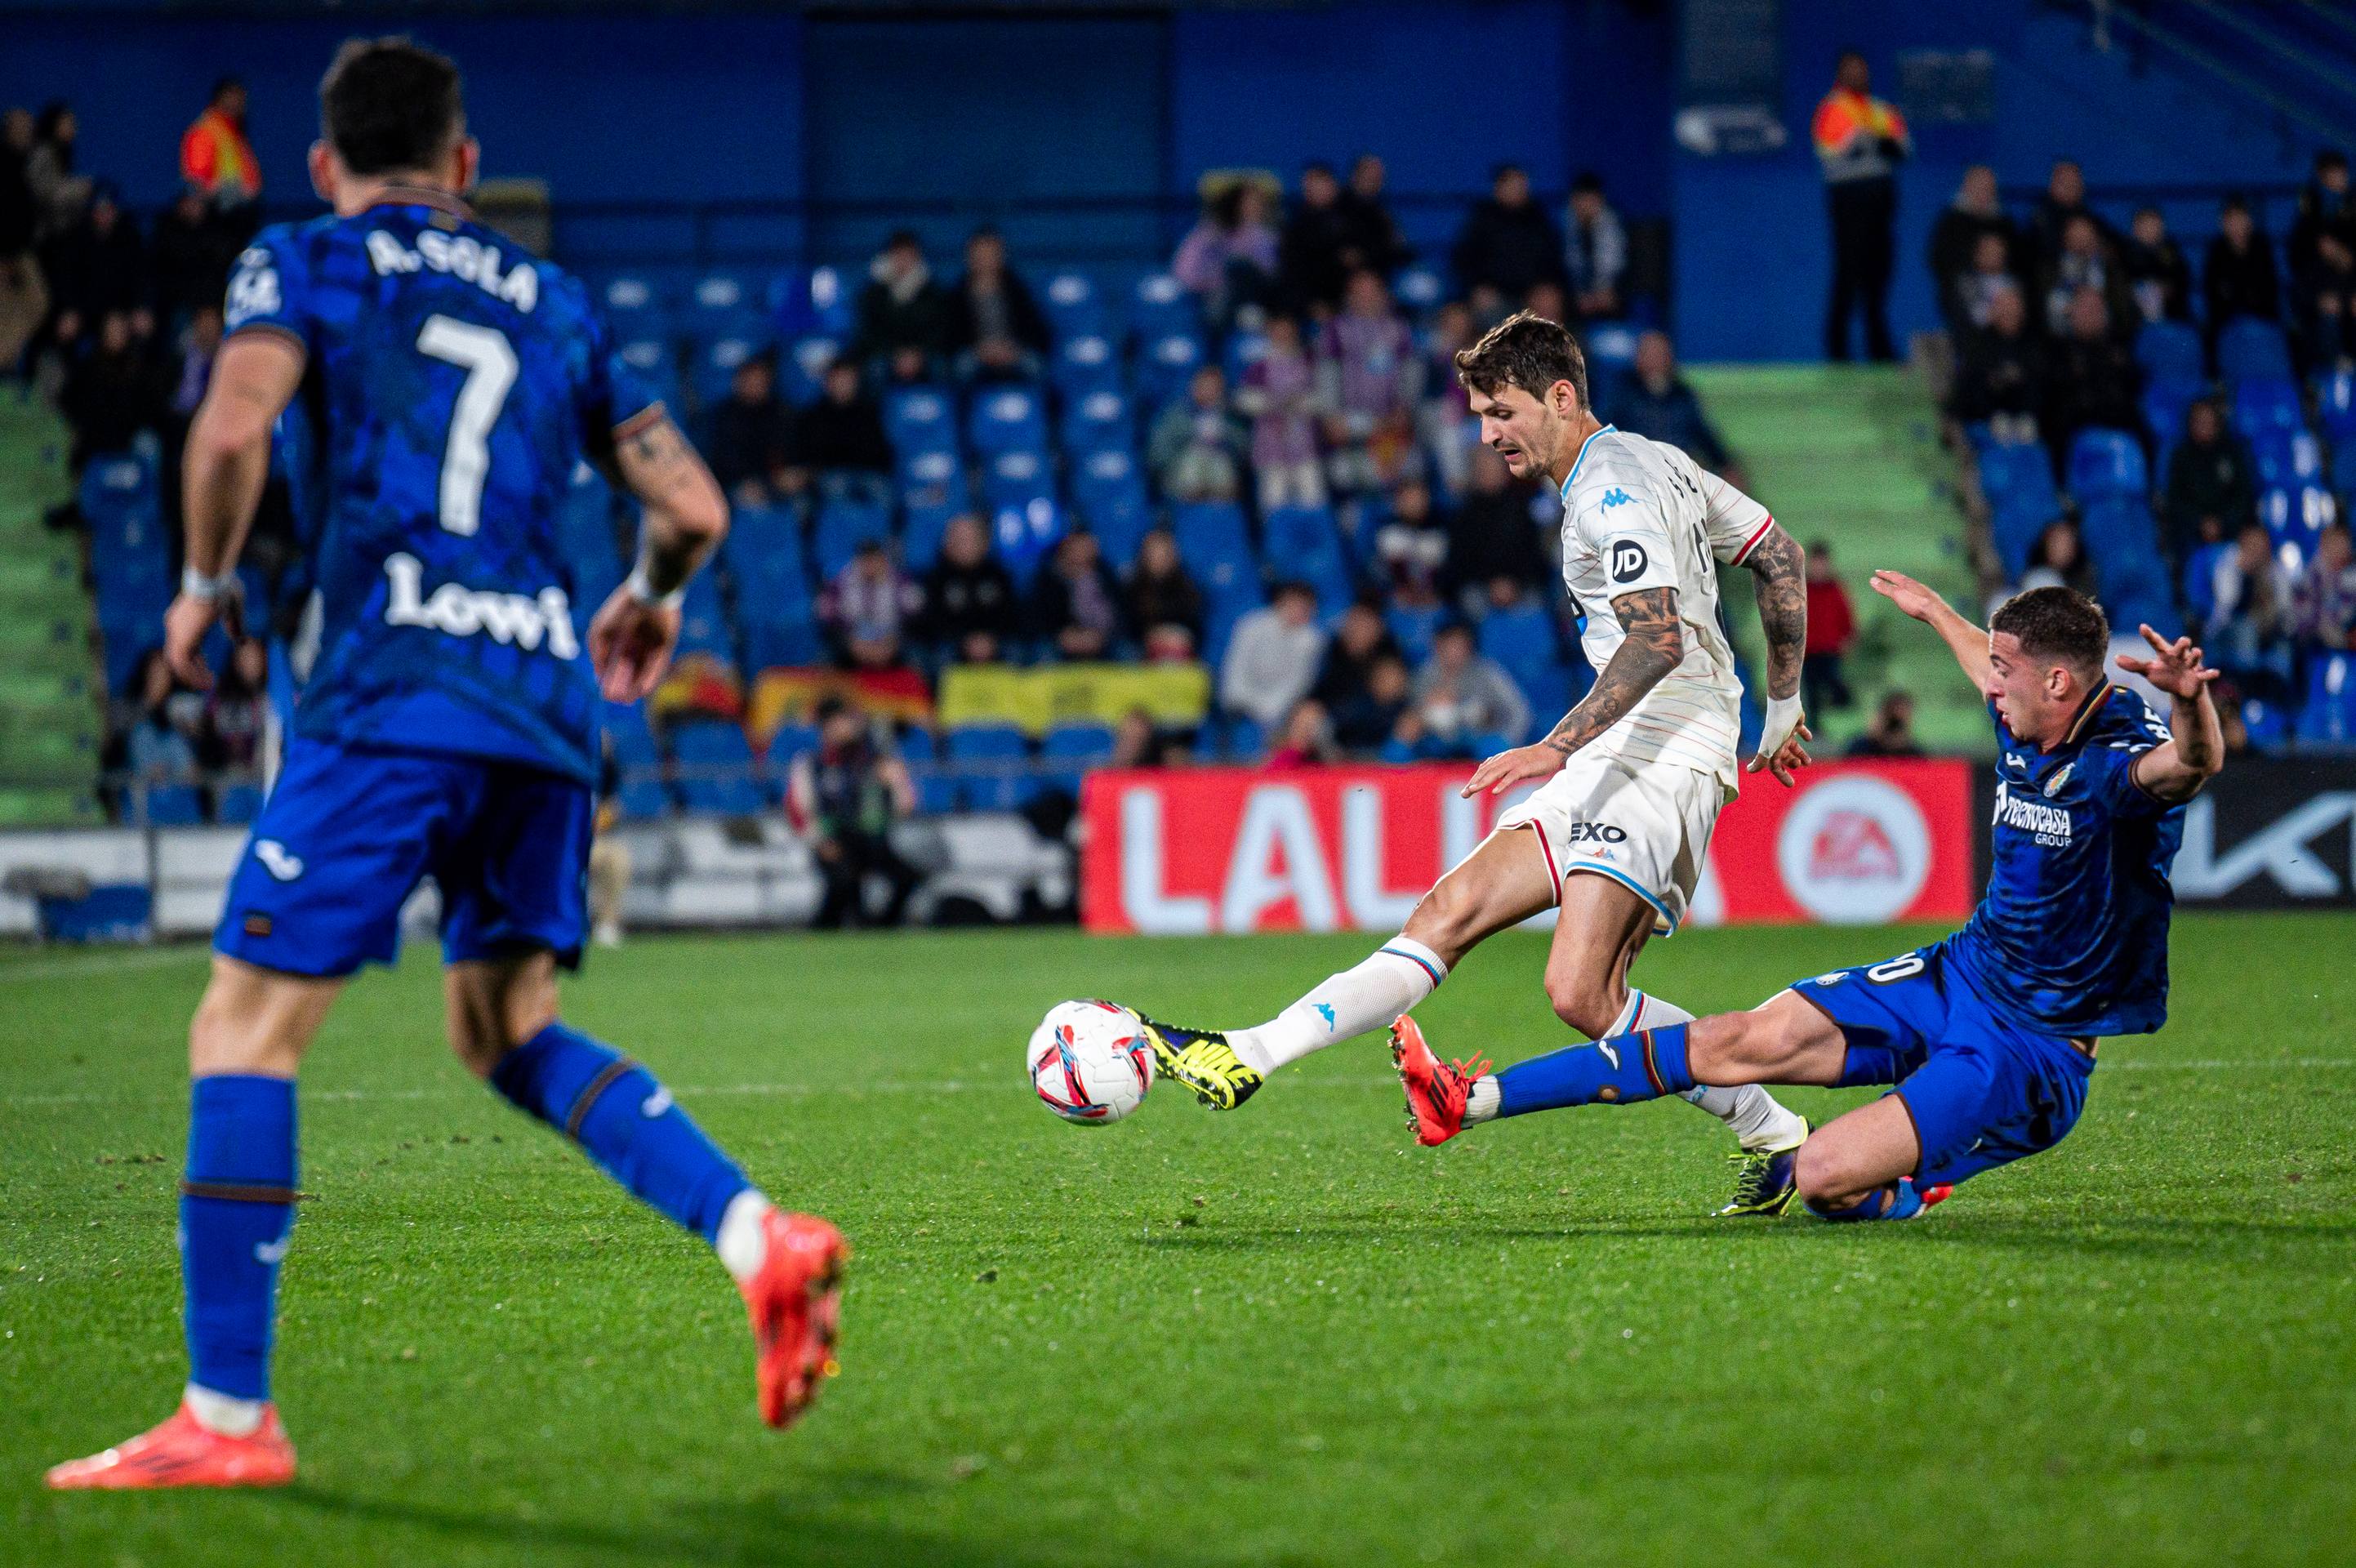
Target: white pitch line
99, 964
1013, 1085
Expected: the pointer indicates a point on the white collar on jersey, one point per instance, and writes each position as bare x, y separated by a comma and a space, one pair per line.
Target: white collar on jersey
1575, 462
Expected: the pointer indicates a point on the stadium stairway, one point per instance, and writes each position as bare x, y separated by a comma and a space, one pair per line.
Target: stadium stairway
49, 713
1850, 454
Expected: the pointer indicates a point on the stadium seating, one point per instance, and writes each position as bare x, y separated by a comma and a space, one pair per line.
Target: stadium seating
1018, 479
2335, 404
2248, 349
2106, 463
715, 769
920, 421
1524, 642
2171, 351
920, 533
727, 304
805, 366
2264, 404
2327, 717
1088, 362
1099, 422
1074, 305
1165, 364
987, 764
1075, 747
1161, 307
2294, 516
839, 530
1111, 496
1305, 542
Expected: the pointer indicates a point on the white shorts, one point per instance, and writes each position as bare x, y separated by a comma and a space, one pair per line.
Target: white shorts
1646, 826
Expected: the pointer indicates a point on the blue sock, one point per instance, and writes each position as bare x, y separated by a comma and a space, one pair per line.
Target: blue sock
1618, 1071
237, 1209
613, 1109
1904, 1203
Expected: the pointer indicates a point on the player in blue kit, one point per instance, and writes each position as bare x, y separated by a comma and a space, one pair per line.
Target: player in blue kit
449, 385
1990, 1034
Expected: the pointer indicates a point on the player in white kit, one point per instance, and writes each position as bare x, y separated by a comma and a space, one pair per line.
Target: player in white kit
1635, 773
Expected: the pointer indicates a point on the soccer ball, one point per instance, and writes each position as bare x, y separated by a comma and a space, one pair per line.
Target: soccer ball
1089, 1061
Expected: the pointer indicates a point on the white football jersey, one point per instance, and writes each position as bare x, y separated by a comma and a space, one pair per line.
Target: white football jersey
1639, 514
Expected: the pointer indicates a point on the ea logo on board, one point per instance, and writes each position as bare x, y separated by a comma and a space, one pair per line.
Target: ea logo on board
1854, 851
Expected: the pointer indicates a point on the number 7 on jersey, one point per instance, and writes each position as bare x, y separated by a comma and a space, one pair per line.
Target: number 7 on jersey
489, 361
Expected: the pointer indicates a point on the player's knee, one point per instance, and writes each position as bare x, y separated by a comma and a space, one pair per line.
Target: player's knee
1826, 1177
492, 1008
1581, 1003
1444, 919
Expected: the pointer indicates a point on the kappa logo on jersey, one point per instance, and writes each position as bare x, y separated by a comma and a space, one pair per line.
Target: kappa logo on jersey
1628, 560
2049, 824
460, 611
275, 860
1326, 1012
1616, 496
1595, 832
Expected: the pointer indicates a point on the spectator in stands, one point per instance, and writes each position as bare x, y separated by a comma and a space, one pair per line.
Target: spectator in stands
903, 307
1374, 234
1508, 244
2096, 381
1139, 742
1411, 545
1369, 721
2323, 301
215, 155
1464, 704
194, 250
2323, 599
840, 439
2324, 208
2211, 486
1368, 378
1892, 733
1969, 296
112, 393
1318, 249
1164, 603
867, 607
844, 797
1444, 422
186, 383
1307, 739
1656, 401
1959, 240
101, 263
753, 451
996, 330
1230, 258
1860, 140
2238, 277
1344, 674
1273, 657
1492, 535
1075, 604
2064, 198
1595, 259
237, 710
969, 613
2249, 626
1279, 394
1832, 628
2004, 379
2085, 262
24, 292
2156, 272
2058, 560
1197, 449
59, 194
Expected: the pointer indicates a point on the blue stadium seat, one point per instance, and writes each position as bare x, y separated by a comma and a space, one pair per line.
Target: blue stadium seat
1073, 304
920, 534
1419, 289
1088, 362
715, 769
1070, 750
2170, 351
2164, 407
920, 420
1216, 549
635, 306
2018, 484
2249, 348
725, 305
790, 741
2267, 726
174, 806
2200, 582
703, 621
1522, 642
1007, 419
814, 302
2263, 403
839, 529
2295, 516
1416, 627
2133, 587
1023, 535
2120, 526
652, 361
1306, 542
2106, 462
1099, 422
2329, 715
640, 795
2286, 456
1242, 739
2335, 404
715, 366
990, 762
1018, 477
1244, 350
1161, 307
803, 371
932, 479
1111, 498
237, 804
779, 622
1166, 364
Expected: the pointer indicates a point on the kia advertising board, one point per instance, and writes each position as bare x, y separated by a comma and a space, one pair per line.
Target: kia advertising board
2277, 833
1198, 850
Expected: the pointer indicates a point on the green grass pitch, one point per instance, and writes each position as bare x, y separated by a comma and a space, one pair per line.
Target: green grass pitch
1280, 1336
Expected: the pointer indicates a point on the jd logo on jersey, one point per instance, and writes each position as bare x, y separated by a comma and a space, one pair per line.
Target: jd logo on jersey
1595, 832
1628, 560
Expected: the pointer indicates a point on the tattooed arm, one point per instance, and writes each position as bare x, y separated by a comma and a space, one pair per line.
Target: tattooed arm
1782, 569
631, 640
1653, 646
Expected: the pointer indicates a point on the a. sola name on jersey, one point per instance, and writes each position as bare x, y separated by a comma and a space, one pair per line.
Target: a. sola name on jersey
461, 256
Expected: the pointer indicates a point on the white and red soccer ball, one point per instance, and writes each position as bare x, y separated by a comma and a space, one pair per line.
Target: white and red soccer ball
1089, 1061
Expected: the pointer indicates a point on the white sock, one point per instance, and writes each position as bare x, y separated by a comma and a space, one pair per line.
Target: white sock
1481, 1104
1751, 1114
224, 1413
1392, 980
742, 1245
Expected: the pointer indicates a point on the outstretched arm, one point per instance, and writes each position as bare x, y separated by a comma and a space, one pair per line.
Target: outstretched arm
632, 636
1653, 646
2174, 770
222, 473
1967, 642
1782, 569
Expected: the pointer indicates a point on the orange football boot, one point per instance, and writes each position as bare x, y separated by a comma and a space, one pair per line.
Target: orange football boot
183, 1452
1436, 1090
796, 1303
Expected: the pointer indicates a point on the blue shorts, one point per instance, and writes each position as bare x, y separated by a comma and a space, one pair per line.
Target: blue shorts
1983, 1092
348, 835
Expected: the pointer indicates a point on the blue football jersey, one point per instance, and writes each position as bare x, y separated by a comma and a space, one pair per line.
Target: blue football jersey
452, 386
2071, 937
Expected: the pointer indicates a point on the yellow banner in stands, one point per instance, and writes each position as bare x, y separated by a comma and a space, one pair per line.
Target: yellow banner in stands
1037, 700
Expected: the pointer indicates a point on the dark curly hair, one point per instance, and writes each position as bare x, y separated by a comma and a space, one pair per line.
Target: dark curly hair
1526, 351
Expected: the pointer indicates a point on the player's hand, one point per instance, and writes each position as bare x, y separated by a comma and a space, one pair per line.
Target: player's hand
2175, 667
1508, 768
630, 644
190, 617
1786, 757
1908, 595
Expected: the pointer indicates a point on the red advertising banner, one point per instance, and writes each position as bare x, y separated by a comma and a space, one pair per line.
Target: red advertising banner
1228, 849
